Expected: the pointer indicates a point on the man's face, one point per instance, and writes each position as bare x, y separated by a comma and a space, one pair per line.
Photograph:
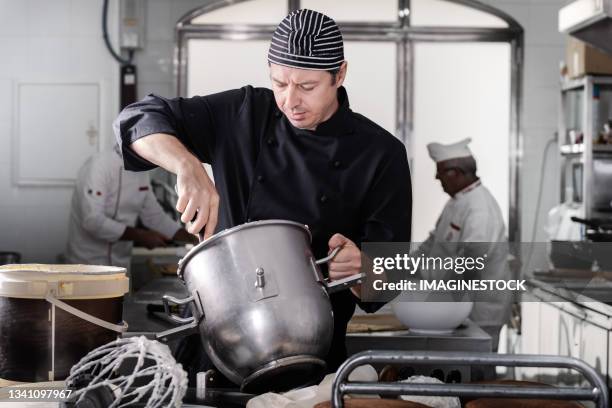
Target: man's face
450, 177
306, 97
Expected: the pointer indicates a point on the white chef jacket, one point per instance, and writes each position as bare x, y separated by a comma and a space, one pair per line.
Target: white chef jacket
106, 200
473, 215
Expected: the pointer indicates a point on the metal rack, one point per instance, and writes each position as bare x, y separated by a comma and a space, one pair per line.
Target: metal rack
597, 391
578, 113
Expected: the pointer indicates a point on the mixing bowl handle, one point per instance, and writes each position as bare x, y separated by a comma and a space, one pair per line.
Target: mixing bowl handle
328, 257
341, 284
166, 299
338, 285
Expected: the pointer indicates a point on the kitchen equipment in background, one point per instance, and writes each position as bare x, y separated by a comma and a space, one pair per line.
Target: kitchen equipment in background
9, 257
586, 167
599, 230
582, 59
588, 20
261, 304
573, 255
128, 85
131, 38
586, 255
52, 315
602, 179
431, 317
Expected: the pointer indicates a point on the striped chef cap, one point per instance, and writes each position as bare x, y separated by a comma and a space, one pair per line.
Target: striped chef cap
307, 39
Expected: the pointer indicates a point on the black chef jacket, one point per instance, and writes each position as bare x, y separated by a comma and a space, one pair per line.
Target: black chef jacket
348, 176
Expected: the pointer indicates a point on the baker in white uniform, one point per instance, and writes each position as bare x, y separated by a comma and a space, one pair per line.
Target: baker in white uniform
471, 215
106, 204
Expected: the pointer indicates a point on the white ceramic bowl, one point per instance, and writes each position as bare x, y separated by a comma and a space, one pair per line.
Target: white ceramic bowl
431, 317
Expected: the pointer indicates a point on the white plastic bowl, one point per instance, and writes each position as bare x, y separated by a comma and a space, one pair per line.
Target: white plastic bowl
431, 317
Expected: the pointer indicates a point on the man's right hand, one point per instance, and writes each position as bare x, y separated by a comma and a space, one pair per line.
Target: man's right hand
197, 198
196, 192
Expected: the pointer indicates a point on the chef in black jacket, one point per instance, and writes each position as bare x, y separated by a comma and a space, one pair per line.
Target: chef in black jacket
296, 152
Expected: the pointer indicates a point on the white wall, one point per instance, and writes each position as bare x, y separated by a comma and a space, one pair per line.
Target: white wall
155, 60
544, 49
50, 41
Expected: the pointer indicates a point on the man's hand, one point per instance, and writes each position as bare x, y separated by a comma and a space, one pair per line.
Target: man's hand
196, 191
347, 261
197, 197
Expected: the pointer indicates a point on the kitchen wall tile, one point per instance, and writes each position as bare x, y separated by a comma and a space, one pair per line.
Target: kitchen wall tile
48, 57
165, 89
156, 63
13, 18
14, 55
86, 20
535, 142
541, 107
48, 18
38, 235
530, 181
159, 25
6, 101
543, 25
7, 195
88, 55
5, 140
11, 233
542, 65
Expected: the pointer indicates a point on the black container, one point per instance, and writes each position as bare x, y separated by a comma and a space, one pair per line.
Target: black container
26, 336
8, 257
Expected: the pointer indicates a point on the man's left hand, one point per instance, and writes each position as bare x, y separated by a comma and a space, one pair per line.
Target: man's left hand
347, 261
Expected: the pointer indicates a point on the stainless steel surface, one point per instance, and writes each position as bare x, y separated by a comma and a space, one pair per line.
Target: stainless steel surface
329, 257
589, 298
589, 21
404, 35
598, 391
260, 280
167, 299
467, 337
246, 327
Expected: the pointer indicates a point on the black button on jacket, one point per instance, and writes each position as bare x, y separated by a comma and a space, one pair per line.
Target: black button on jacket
349, 176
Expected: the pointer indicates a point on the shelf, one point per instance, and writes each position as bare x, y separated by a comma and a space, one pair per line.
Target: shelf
575, 148
572, 84
601, 148
579, 83
578, 148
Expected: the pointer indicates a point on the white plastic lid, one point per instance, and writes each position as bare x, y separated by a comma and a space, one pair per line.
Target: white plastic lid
34, 281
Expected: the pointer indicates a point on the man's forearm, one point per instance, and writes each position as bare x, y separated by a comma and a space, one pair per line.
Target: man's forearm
165, 151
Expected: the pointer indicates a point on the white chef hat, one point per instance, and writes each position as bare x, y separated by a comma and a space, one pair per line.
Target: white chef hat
439, 152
